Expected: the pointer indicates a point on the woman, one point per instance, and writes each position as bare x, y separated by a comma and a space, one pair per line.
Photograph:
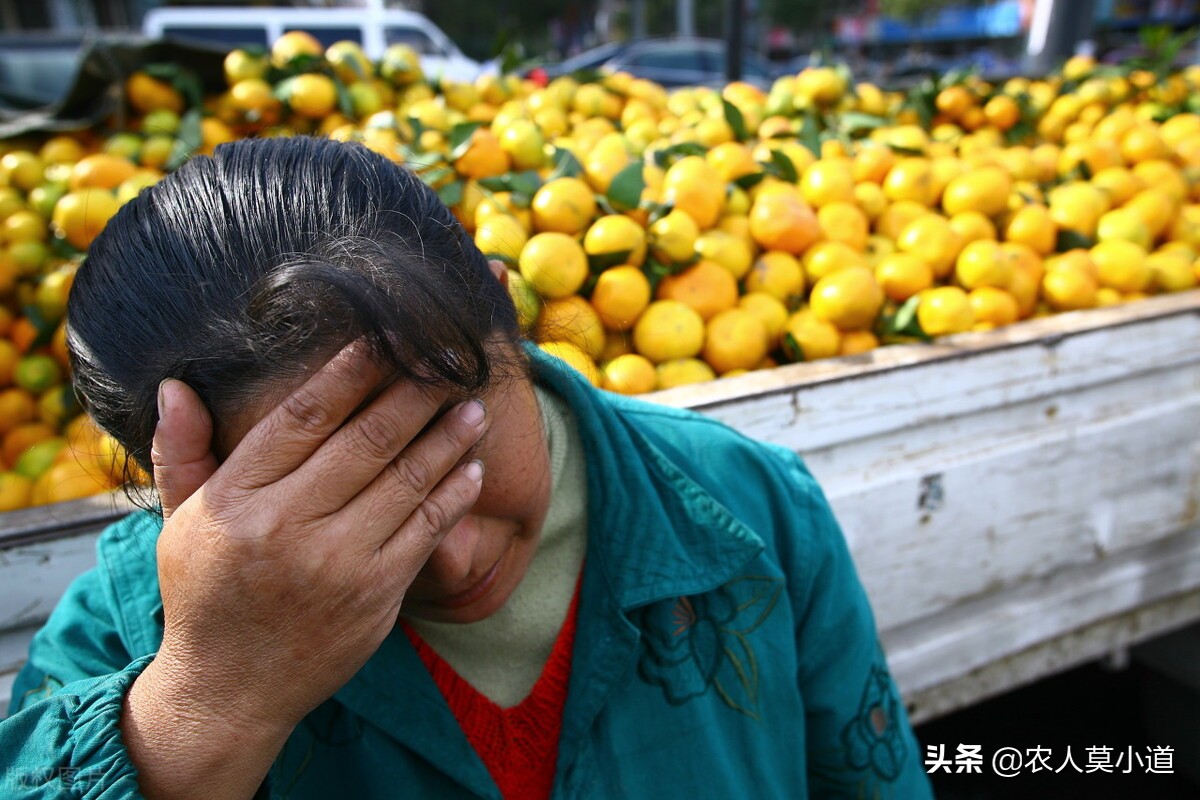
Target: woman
400, 553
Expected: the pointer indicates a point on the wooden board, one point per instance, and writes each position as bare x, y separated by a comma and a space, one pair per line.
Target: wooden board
1017, 501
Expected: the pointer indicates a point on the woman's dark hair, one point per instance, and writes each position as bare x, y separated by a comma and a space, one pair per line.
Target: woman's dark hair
240, 270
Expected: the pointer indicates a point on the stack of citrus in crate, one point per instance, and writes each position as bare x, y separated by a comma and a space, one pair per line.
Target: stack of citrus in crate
658, 238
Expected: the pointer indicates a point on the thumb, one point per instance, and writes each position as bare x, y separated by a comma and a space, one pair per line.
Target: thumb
182, 448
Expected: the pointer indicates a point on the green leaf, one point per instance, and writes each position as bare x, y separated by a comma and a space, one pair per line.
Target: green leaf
655, 271
810, 134
669, 155
854, 121
904, 151
784, 168
344, 101
436, 175
1072, 240
625, 190
792, 348
163, 71
451, 194
749, 180
566, 165
735, 119
599, 262
906, 317
187, 140
460, 138
658, 211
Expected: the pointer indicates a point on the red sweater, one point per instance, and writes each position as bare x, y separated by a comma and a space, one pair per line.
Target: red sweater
518, 745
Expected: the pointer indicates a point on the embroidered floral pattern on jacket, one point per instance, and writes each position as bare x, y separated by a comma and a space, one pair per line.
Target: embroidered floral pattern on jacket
693, 643
873, 738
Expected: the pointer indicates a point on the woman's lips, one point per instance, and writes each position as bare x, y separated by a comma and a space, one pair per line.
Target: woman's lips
469, 596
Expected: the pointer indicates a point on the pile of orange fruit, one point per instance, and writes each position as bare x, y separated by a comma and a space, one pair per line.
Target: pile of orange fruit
657, 238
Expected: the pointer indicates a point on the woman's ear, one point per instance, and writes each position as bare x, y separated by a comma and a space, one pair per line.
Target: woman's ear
500, 271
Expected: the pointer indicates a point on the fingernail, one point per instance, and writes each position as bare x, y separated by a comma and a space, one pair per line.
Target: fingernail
472, 412
162, 400
474, 470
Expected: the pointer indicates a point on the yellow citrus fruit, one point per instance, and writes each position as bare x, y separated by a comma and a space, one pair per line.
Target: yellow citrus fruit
483, 158
349, 62
1119, 183
312, 95
294, 44
525, 299
931, 239
1124, 224
705, 286
554, 264
571, 319
574, 357
734, 339
855, 342
826, 258
616, 235
1069, 289
1154, 207
673, 238
844, 222
897, 216
780, 220
79, 216
666, 330
945, 310
1171, 271
22, 437
564, 205
694, 186
731, 252
985, 190
971, 226
850, 298
870, 198
37, 373
769, 310
983, 263
732, 160
14, 491
1121, 265
1032, 225
501, 236
910, 179
778, 274
993, 306
620, 296
22, 170
683, 372
901, 275
71, 480
630, 374
828, 181
38, 458
524, 143
100, 170
61, 149
807, 337
147, 94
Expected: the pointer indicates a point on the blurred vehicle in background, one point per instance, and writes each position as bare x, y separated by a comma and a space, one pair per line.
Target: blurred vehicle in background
374, 30
671, 62
36, 68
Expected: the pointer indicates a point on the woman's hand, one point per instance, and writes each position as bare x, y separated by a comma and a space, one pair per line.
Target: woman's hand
283, 569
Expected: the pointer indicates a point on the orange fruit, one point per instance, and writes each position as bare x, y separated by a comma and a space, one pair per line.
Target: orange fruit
1032, 225
22, 437
901, 275
616, 234
100, 170
1069, 289
483, 158
620, 296
706, 287
554, 264
828, 181
993, 306
778, 274
897, 216
826, 258
294, 44
682, 372
931, 239
855, 342
945, 310
910, 179
564, 205
666, 330
971, 226
694, 186
15, 491
844, 222
734, 339
9, 356
1121, 265
501, 236
38, 457
780, 220
571, 319
71, 480
807, 337
578, 360
630, 374
673, 238
850, 298
985, 190
982, 263
79, 216
770, 311
37, 373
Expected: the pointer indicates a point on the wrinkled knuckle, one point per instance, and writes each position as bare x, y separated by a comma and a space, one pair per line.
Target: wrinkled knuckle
412, 472
433, 515
374, 437
306, 411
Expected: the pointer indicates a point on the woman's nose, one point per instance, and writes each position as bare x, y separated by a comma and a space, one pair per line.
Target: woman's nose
449, 566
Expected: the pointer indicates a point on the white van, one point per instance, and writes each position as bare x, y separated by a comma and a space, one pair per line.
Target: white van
373, 28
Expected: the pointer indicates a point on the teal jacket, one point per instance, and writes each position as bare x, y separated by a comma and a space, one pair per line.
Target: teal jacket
724, 648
